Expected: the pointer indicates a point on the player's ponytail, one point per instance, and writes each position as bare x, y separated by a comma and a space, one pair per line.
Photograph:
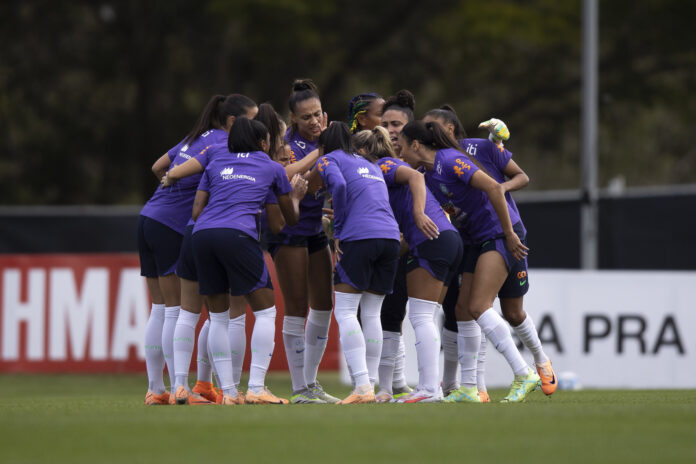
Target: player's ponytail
207, 120
403, 101
448, 115
246, 136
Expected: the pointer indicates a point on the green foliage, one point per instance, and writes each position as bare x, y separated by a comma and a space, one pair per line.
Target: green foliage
92, 93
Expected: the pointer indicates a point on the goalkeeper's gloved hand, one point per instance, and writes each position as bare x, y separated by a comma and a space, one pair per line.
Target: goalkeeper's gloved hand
497, 129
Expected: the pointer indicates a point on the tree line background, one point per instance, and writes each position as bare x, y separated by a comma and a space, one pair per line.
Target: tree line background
91, 93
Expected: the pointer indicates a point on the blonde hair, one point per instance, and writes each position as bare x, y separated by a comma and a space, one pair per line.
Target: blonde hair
375, 142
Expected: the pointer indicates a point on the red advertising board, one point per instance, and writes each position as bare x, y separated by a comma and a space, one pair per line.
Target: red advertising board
87, 313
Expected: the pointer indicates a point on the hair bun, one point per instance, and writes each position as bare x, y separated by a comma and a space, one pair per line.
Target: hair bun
406, 99
304, 84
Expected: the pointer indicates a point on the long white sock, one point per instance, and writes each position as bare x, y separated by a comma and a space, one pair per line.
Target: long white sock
316, 337
497, 331
390, 348
171, 314
262, 345
530, 337
370, 309
219, 348
451, 366
203, 364
294, 341
352, 341
399, 380
184, 339
481, 366
154, 359
236, 332
421, 314
468, 343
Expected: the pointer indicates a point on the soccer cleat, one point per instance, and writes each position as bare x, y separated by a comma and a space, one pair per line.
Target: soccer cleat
463, 395
483, 396
172, 398
264, 397
153, 399
498, 130
449, 389
305, 396
549, 383
240, 395
318, 391
398, 392
206, 390
383, 396
522, 386
229, 400
359, 398
183, 396
422, 396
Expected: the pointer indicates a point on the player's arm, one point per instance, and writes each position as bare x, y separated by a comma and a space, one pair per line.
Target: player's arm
302, 166
289, 203
161, 165
199, 202
517, 178
186, 169
416, 184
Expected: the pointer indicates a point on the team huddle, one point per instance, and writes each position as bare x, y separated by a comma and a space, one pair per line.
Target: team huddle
419, 217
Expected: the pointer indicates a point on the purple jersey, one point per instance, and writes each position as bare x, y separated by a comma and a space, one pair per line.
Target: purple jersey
401, 202
310, 206
239, 185
469, 208
172, 205
494, 159
360, 198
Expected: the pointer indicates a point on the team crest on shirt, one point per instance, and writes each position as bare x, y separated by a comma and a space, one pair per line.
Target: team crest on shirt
438, 168
322, 164
386, 166
445, 190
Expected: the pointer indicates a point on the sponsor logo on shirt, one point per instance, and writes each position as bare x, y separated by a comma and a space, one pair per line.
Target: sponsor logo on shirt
471, 149
227, 174
387, 165
185, 147
365, 173
460, 167
438, 168
322, 164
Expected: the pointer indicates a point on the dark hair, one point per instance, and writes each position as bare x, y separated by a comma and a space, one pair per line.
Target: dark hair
403, 101
268, 116
217, 110
336, 137
447, 113
433, 135
246, 135
359, 105
376, 143
302, 89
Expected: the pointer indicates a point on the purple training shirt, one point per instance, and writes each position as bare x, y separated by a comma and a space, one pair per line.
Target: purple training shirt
310, 206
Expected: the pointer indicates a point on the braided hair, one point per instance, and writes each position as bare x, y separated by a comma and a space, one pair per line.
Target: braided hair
359, 104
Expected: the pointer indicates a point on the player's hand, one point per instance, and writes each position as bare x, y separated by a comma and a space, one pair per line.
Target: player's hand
166, 181
337, 248
324, 122
514, 244
299, 186
498, 130
426, 225
328, 212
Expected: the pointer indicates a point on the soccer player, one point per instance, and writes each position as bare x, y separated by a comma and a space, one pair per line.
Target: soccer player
161, 227
477, 206
365, 112
367, 244
303, 260
396, 113
499, 164
435, 251
227, 252
188, 175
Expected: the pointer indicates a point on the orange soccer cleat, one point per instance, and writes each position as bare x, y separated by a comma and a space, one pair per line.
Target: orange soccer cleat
549, 383
206, 390
264, 397
153, 399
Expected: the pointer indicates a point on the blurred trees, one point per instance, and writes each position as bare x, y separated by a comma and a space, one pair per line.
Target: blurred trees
92, 93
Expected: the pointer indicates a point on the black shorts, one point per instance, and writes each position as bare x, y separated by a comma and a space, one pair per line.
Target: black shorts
394, 305
229, 260
368, 264
313, 243
158, 246
186, 269
440, 257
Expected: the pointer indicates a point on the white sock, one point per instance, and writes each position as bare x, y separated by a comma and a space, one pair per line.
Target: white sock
468, 343
399, 380
262, 345
451, 366
184, 339
154, 359
352, 341
421, 314
390, 348
481, 366
294, 341
219, 348
370, 309
236, 332
530, 337
171, 314
316, 337
498, 333
203, 364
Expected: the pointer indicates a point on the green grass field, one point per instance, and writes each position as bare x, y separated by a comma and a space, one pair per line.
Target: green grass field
101, 419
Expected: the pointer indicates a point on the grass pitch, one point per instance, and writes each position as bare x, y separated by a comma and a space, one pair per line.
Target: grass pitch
101, 419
